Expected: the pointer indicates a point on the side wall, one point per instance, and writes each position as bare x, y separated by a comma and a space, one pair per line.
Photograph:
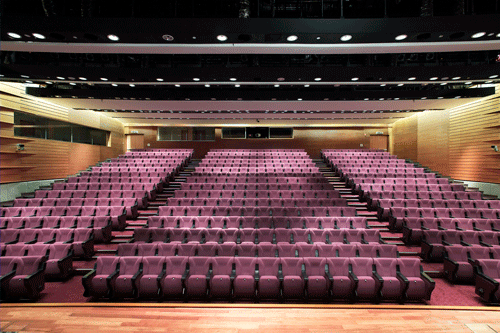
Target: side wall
455, 142
49, 159
310, 139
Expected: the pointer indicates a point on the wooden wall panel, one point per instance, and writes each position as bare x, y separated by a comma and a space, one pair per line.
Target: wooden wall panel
433, 148
379, 142
52, 159
310, 139
405, 138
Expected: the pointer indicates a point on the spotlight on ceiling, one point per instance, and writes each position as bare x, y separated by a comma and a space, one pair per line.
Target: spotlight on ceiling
237, 85
456, 78
222, 38
177, 85
346, 38
114, 38
104, 79
232, 79
292, 38
355, 79
401, 37
132, 85
412, 78
317, 79
83, 78
13, 35
469, 82
493, 76
433, 78
168, 38
38, 36
196, 79
114, 85
479, 34
159, 79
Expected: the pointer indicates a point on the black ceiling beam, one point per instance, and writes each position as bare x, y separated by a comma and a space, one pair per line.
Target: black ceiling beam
253, 30
246, 94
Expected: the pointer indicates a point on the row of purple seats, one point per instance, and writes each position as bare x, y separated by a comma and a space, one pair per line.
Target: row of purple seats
140, 195
389, 174
164, 171
281, 173
254, 194
59, 257
364, 188
257, 236
130, 204
433, 241
116, 213
81, 239
398, 214
398, 181
104, 186
413, 228
258, 170
22, 277
460, 261
259, 278
384, 205
257, 180
488, 280
101, 225
240, 222
255, 211
147, 174
375, 196
154, 180
257, 187
258, 250
262, 202
270, 150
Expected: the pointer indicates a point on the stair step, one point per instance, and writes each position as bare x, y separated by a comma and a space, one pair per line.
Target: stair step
123, 236
137, 224
82, 271
434, 274
119, 241
106, 251
395, 243
398, 238
409, 254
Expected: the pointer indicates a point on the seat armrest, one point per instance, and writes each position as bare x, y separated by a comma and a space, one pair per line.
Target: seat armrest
487, 278
485, 244
137, 275
8, 275
464, 243
86, 281
113, 275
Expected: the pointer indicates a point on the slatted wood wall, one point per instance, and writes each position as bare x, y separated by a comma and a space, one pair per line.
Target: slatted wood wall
433, 148
405, 138
52, 159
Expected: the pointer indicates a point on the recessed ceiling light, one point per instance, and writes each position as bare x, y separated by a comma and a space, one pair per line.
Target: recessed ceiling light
457, 96
237, 85
396, 99
13, 35
412, 78
39, 36
400, 85
440, 97
433, 78
456, 78
479, 34
292, 38
346, 38
159, 79
72, 84
114, 38
222, 38
132, 85
48, 82
383, 85
232, 79
83, 78
424, 97
355, 79
28, 81
498, 35
401, 37
444, 83
168, 38
207, 85
367, 99
306, 85
317, 79
114, 85
104, 79
25, 76
318, 38
299, 99
276, 85
196, 79
177, 85
493, 76
469, 82
381, 99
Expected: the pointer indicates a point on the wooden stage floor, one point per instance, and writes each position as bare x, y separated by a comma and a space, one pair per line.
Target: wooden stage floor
249, 318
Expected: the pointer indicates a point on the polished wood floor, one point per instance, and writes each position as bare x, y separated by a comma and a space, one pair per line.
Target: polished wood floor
245, 319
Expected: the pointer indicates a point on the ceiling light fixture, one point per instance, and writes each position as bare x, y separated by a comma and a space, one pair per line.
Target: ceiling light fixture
355, 79
159, 79
317, 79
493, 76
104, 79
222, 38
83, 78
177, 85
13, 35
479, 34
401, 37
412, 78
346, 38
276, 85
469, 82
72, 84
237, 85
292, 38
39, 36
168, 38
196, 79
25, 76
232, 79
444, 83
456, 78
114, 38
433, 78
207, 85
383, 85
306, 86
132, 85
114, 85
400, 85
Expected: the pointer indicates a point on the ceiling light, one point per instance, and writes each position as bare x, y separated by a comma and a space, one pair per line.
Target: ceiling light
292, 38
104, 79
39, 36
25, 76
355, 79
28, 81
317, 79
456, 78
444, 83
493, 76
13, 35
207, 85
168, 38
381, 99
306, 85
412, 78
222, 38
114, 85
468, 82
346, 38
396, 99
72, 84
318, 38
177, 85
433, 78
48, 82
276, 85
114, 38
457, 96
196, 79
367, 99
132, 85
299, 99
440, 97
479, 34
159, 79
237, 85
83, 78
424, 97
400, 85
401, 37
232, 79
489, 81
383, 85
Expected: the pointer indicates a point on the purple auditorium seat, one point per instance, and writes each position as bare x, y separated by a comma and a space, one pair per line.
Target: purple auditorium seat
308, 250
490, 238
292, 280
142, 235
17, 250
8, 266
29, 278
10, 211
222, 250
148, 283
287, 250
173, 276
100, 282
168, 249
199, 275
59, 263
245, 283
131, 268
456, 264
418, 285
317, 281
326, 250
245, 250
9, 236
267, 250
432, 247
488, 280
266, 236
101, 226
82, 241
268, 277
361, 274
336, 236
341, 284
386, 281
127, 250
63, 222
148, 249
